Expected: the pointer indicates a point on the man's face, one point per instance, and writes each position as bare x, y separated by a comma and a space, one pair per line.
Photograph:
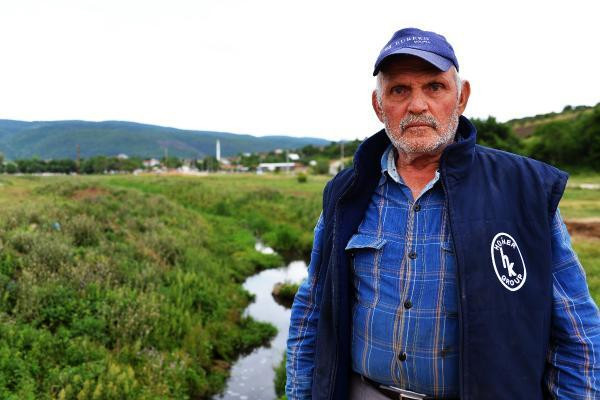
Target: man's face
419, 105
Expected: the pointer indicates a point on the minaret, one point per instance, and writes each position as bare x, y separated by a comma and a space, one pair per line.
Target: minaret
218, 150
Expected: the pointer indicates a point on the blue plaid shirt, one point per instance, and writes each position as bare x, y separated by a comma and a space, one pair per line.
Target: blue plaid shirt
405, 319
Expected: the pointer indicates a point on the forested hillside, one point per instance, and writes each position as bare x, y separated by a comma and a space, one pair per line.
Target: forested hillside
59, 140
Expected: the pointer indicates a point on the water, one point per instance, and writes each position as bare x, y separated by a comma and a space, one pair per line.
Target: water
252, 375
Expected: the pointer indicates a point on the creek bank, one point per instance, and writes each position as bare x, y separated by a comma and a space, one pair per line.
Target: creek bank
252, 376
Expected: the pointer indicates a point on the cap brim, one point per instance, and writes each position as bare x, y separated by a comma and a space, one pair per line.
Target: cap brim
441, 63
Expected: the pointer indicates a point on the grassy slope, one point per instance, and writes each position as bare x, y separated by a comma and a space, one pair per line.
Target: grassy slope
524, 127
277, 208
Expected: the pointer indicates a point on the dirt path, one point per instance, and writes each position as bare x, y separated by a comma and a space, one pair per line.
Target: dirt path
589, 227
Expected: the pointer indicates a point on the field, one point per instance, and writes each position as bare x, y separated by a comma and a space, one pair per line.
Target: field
115, 287
130, 287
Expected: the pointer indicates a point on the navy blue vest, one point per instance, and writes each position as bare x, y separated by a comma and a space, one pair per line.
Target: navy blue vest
500, 208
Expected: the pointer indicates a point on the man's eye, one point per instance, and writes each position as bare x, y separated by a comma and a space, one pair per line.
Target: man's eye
399, 90
436, 86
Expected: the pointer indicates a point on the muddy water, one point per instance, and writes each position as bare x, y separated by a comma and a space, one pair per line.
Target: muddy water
252, 375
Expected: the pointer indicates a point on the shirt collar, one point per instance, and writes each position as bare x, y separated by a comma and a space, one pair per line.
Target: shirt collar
388, 169
388, 164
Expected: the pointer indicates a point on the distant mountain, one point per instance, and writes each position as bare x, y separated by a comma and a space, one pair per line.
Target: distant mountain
59, 139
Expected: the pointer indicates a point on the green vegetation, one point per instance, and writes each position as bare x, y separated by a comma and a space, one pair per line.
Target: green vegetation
524, 127
588, 251
130, 287
497, 135
280, 377
569, 140
302, 178
284, 293
571, 144
277, 209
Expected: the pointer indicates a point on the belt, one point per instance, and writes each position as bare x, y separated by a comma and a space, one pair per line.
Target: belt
392, 392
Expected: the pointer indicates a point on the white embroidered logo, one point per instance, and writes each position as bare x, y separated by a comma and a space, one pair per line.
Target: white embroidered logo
508, 261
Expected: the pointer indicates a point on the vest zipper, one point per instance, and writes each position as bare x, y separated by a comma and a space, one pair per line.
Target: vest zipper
460, 289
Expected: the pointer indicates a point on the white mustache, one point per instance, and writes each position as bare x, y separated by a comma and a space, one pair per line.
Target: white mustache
421, 119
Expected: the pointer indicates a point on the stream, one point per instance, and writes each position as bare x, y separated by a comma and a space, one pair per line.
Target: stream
252, 375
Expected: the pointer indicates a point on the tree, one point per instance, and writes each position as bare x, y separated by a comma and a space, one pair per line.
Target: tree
11, 168
497, 135
322, 167
171, 162
587, 135
553, 143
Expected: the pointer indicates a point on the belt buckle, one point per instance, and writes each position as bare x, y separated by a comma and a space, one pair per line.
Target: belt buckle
404, 394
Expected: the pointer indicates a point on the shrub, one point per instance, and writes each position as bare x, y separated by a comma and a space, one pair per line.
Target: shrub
302, 178
84, 230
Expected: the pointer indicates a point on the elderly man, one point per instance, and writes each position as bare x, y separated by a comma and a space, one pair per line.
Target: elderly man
441, 269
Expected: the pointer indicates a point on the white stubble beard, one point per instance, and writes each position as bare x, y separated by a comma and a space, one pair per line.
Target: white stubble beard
413, 147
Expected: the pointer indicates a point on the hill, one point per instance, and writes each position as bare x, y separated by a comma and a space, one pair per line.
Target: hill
59, 139
524, 127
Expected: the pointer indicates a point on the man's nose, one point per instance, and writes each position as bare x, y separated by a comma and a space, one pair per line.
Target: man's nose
417, 103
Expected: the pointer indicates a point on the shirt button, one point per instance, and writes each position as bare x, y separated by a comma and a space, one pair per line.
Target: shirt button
402, 356
417, 207
408, 304
412, 255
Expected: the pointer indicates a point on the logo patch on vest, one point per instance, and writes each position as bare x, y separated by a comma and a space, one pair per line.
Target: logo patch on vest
508, 261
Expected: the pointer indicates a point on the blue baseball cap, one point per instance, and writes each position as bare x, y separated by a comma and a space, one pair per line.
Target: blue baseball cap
429, 46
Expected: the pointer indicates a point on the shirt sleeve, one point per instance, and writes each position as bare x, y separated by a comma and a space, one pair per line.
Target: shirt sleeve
573, 361
303, 326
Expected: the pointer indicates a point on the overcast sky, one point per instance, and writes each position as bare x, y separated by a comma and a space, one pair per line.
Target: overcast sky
299, 68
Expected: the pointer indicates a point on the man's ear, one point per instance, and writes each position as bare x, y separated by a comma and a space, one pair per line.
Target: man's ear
464, 96
377, 106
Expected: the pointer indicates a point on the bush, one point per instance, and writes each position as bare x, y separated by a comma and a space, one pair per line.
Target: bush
84, 230
302, 178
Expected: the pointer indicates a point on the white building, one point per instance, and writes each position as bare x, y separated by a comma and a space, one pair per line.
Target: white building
272, 167
153, 162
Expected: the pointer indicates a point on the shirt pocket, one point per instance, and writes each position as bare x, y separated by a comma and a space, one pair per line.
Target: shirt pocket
365, 252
